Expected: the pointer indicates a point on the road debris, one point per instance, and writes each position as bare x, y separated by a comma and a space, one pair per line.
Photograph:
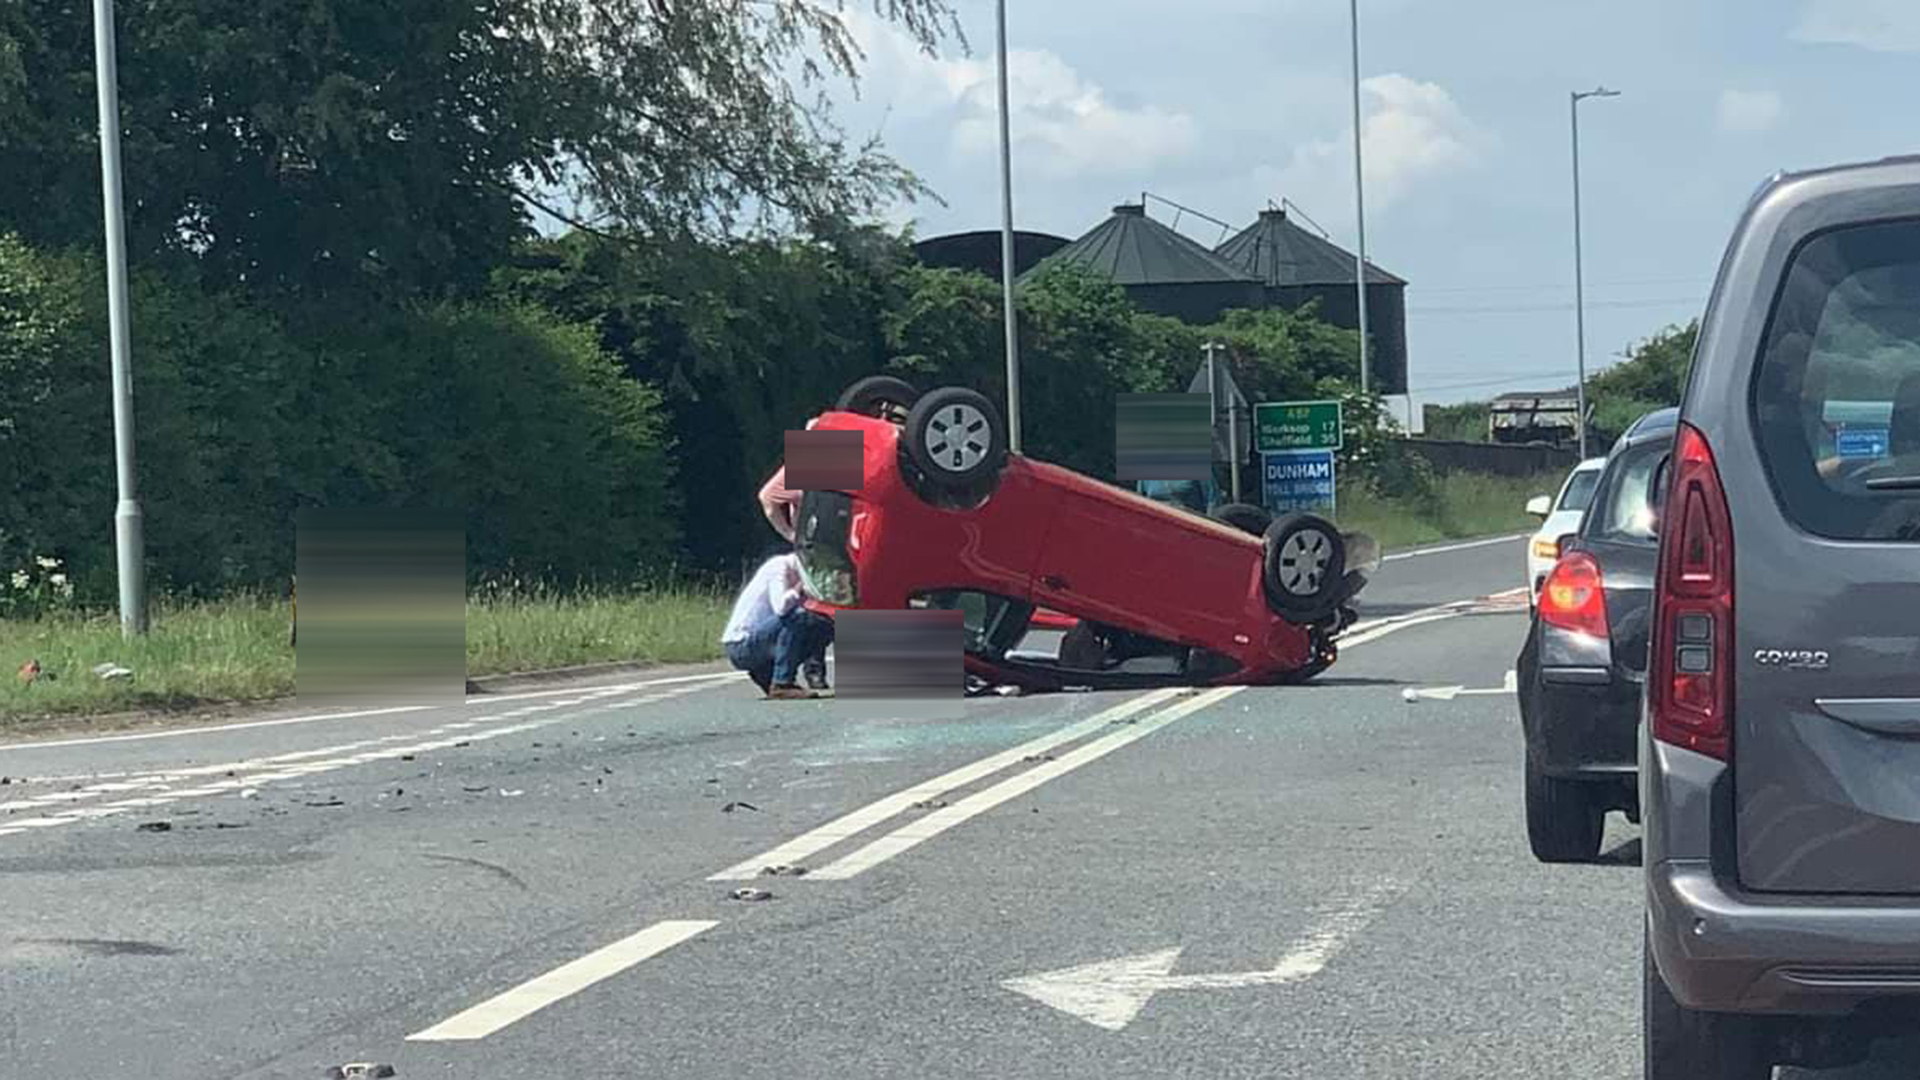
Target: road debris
361, 1070
323, 803
111, 671
783, 870
154, 826
475, 788
732, 806
750, 895
511, 793
929, 804
1038, 757
29, 671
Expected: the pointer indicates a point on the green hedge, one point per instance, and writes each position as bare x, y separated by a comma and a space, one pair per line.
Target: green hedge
561, 466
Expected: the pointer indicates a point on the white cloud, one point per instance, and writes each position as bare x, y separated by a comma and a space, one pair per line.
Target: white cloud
1747, 112
1415, 132
1879, 25
1063, 124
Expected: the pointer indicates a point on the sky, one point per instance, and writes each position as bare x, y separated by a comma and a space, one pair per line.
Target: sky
1225, 105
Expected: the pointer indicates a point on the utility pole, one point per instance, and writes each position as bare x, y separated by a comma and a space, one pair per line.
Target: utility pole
1579, 290
1233, 418
129, 543
1359, 197
1006, 245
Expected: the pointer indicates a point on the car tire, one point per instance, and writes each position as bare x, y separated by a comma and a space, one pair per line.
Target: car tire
1305, 565
1679, 1043
1243, 516
875, 394
956, 440
1564, 824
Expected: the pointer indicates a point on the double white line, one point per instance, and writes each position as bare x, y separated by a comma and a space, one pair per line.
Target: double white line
530, 997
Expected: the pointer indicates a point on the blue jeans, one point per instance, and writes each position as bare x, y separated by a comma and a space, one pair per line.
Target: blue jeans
773, 653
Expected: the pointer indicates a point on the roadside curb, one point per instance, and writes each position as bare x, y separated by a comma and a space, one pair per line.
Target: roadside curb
213, 712
493, 684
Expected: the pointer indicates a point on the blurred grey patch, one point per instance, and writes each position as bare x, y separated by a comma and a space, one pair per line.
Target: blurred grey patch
825, 461
900, 664
1162, 437
382, 608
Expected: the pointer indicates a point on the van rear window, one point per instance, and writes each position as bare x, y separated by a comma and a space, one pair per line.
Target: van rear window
1836, 397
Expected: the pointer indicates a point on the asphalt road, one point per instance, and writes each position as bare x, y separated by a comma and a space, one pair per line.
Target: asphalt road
1322, 881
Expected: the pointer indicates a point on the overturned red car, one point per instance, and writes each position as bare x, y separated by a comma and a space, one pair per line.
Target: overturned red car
1146, 593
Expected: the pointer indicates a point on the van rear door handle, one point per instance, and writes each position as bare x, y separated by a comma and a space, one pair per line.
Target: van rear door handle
1883, 716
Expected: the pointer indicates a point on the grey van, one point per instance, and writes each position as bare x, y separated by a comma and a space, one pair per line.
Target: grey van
1780, 742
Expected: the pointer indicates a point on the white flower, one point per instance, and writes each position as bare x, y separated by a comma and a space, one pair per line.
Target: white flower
59, 580
48, 563
21, 580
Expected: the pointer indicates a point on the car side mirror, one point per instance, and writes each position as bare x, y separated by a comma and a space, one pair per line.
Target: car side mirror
1540, 505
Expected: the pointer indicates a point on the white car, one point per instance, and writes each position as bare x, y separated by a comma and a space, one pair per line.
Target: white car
1561, 516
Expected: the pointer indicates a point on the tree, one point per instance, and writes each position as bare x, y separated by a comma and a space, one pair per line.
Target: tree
298, 146
1651, 377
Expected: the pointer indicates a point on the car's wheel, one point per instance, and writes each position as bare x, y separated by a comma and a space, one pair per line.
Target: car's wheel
956, 439
879, 395
1244, 516
1305, 566
1564, 820
1683, 1044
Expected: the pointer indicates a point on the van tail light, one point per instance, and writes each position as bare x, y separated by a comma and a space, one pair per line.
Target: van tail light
1691, 681
1573, 597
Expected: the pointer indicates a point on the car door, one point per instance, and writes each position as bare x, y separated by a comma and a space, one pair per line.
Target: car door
1118, 558
1621, 532
1825, 534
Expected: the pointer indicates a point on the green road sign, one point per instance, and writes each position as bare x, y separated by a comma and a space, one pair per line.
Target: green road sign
1296, 425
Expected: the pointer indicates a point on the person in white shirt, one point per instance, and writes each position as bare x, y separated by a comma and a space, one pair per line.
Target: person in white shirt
770, 635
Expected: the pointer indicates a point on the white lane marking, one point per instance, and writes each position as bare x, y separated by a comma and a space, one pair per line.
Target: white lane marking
472, 699
570, 978
248, 776
852, 824
918, 832
1111, 993
1443, 549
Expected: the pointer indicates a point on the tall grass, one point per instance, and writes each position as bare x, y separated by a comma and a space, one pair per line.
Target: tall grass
1466, 505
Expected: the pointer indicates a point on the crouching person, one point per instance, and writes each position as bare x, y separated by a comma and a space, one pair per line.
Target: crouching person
770, 635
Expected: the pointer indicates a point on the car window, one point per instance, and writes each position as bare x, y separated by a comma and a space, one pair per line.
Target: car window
1836, 396
1624, 513
1579, 491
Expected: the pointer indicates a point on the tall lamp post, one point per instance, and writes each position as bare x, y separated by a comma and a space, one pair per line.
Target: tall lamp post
1006, 244
129, 545
1579, 289
1359, 195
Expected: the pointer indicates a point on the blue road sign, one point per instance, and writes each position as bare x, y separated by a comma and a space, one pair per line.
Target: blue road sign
1298, 480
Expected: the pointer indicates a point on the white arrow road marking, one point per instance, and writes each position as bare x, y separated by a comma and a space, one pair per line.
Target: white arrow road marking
1447, 693
1111, 993
570, 978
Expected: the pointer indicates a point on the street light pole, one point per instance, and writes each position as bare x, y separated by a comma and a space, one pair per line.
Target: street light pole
129, 544
1359, 196
1579, 287
1006, 245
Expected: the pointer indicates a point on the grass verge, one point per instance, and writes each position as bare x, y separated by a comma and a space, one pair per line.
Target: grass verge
1466, 505
236, 650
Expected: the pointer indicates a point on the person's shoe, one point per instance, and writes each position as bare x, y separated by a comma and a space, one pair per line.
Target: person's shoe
817, 675
789, 692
